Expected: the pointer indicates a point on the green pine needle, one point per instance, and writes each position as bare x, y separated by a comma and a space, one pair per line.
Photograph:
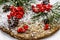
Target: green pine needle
3, 1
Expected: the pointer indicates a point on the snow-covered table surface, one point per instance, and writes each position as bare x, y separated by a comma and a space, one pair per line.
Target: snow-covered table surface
56, 36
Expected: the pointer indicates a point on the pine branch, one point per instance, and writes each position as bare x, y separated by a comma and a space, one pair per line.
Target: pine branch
24, 3
39, 14
3, 1
55, 16
20, 2
55, 11
36, 16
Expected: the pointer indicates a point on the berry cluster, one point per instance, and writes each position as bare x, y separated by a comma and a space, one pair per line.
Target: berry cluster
21, 30
14, 16
41, 8
46, 22
46, 27
16, 12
